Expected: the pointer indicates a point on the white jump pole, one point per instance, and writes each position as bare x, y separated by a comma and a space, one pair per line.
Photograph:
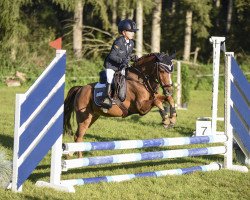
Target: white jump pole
217, 41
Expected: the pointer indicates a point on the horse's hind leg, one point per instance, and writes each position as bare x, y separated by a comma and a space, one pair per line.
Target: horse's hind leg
85, 120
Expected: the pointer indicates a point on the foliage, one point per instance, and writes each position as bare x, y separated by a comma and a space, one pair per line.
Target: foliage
241, 28
12, 28
97, 42
82, 72
5, 171
100, 9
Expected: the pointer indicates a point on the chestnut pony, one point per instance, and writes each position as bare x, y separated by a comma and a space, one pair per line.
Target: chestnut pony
143, 81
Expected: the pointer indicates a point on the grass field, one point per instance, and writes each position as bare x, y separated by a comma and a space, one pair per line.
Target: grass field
221, 184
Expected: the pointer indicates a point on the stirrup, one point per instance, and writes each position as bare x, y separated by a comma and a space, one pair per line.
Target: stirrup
107, 104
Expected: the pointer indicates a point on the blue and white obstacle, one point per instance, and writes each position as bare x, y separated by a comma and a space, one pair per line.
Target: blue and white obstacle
135, 157
126, 177
135, 144
28, 154
38, 120
64, 165
238, 106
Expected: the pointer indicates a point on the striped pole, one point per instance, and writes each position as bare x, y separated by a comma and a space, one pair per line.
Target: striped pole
126, 177
133, 144
133, 157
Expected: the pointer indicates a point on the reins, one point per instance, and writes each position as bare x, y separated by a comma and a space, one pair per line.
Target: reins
149, 79
146, 80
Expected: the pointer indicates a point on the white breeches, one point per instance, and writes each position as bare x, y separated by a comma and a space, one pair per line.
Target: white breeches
110, 75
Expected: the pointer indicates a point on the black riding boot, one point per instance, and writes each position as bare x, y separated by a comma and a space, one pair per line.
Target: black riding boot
107, 100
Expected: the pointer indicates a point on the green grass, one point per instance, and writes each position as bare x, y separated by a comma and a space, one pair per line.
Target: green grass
221, 184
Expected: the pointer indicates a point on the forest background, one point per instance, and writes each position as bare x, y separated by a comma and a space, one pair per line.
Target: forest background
89, 27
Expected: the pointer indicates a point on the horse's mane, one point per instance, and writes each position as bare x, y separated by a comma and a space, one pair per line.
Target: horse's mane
144, 57
151, 58
147, 55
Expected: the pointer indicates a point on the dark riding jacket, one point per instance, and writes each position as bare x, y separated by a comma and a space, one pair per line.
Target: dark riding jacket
120, 51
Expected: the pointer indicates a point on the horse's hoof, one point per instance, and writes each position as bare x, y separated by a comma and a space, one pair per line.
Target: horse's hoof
165, 126
68, 156
168, 126
171, 125
172, 120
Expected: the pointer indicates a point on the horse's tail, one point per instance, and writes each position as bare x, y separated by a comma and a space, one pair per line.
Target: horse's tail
69, 109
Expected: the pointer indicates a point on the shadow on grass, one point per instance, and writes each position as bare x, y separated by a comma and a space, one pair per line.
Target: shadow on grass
6, 141
99, 138
183, 130
137, 119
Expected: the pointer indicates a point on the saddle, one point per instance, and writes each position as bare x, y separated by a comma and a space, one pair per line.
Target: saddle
118, 90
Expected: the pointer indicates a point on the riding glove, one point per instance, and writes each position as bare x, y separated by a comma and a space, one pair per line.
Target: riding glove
125, 63
134, 58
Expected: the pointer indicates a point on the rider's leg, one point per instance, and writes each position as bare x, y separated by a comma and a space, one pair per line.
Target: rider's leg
110, 75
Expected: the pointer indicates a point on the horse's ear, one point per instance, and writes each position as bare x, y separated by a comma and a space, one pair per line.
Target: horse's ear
173, 55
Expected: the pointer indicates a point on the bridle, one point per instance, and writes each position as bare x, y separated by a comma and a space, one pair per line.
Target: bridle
149, 79
169, 69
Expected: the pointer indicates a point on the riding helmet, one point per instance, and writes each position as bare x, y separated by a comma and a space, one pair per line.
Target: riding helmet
127, 25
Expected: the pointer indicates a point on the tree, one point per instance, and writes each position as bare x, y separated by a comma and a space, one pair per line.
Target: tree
99, 8
197, 24
114, 16
187, 37
77, 29
139, 34
77, 6
156, 27
229, 15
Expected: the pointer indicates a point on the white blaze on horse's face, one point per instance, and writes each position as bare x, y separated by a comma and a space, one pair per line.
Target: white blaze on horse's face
165, 77
165, 72
170, 80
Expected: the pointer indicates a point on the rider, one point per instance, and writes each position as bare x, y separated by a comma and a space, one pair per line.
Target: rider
120, 55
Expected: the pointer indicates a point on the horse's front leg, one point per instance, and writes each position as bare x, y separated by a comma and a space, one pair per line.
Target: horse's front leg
158, 102
173, 115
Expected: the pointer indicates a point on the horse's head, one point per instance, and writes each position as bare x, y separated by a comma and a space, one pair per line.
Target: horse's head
157, 67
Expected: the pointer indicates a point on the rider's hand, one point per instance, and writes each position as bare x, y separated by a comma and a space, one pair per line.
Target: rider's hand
134, 58
125, 61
